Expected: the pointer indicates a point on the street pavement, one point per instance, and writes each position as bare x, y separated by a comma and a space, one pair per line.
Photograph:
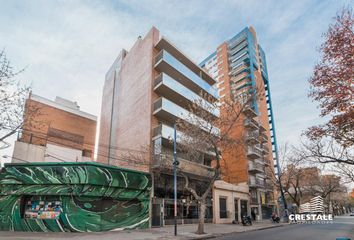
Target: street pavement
264, 230
186, 231
342, 226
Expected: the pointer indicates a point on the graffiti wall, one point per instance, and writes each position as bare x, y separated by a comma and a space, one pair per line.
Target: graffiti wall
72, 197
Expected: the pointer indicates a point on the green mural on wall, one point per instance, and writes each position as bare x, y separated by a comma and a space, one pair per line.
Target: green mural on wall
72, 197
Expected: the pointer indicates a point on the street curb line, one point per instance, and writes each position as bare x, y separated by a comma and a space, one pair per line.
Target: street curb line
226, 234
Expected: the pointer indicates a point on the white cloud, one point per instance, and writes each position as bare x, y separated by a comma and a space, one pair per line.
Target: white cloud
68, 46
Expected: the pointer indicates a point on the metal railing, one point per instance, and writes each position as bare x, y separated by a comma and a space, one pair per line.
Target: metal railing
256, 183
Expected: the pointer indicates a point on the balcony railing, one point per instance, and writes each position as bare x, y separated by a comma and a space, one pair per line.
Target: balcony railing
251, 124
251, 138
255, 167
249, 112
243, 67
257, 183
170, 88
263, 138
165, 62
165, 162
169, 111
253, 153
239, 48
265, 149
167, 134
237, 56
237, 42
261, 128
245, 58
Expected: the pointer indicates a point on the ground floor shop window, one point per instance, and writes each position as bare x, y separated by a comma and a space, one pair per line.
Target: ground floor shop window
41, 207
223, 209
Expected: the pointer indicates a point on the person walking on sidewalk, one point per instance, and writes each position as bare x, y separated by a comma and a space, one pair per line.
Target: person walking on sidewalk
253, 215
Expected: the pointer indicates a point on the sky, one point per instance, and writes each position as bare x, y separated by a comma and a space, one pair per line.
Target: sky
66, 47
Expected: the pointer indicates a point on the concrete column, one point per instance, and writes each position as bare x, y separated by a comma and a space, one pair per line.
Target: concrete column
259, 205
239, 210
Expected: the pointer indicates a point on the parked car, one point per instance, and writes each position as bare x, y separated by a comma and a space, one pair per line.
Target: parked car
351, 214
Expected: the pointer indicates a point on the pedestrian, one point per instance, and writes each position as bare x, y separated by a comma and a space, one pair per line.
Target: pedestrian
253, 215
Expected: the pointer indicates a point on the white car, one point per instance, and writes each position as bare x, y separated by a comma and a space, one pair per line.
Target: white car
351, 214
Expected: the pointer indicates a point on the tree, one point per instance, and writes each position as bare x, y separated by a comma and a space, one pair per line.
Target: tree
326, 151
332, 87
12, 100
332, 82
204, 132
291, 180
345, 171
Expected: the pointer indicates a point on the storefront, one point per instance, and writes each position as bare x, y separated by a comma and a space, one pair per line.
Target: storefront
72, 197
230, 202
187, 205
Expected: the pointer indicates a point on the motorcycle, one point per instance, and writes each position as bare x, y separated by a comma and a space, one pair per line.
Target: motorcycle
246, 220
275, 219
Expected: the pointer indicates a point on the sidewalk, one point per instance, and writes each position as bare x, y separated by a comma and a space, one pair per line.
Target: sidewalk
184, 232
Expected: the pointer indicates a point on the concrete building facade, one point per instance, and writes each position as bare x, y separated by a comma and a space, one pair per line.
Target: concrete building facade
230, 202
239, 66
146, 90
55, 131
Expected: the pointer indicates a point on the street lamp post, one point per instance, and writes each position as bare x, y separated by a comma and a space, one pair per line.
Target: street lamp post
175, 163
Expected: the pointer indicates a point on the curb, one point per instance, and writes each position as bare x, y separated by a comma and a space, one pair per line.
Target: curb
211, 236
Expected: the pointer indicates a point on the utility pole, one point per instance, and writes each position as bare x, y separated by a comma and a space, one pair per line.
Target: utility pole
175, 163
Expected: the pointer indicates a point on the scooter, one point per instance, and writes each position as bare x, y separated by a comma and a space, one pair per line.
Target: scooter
246, 220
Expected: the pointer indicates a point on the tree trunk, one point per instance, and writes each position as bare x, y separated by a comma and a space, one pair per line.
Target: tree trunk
201, 206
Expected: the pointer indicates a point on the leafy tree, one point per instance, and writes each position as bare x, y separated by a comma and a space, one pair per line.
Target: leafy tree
332, 87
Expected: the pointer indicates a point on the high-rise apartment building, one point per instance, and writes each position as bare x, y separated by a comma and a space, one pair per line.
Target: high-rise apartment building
146, 90
55, 131
239, 66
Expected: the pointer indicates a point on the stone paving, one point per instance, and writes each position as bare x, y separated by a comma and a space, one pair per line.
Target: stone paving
184, 232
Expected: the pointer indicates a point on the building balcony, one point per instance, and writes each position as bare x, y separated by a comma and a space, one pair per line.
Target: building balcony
266, 162
170, 112
254, 201
261, 128
164, 44
238, 55
260, 161
251, 124
166, 63
265, 149
253, 153
168, 87
269, 185
249, 112
263, 138
235, 45
251, 139
166, 133
239, 49
240, 61
256, 183
242, 68
164, 162
255, 167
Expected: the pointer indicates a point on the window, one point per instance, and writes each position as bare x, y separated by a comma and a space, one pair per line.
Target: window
86, 153
223, 210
